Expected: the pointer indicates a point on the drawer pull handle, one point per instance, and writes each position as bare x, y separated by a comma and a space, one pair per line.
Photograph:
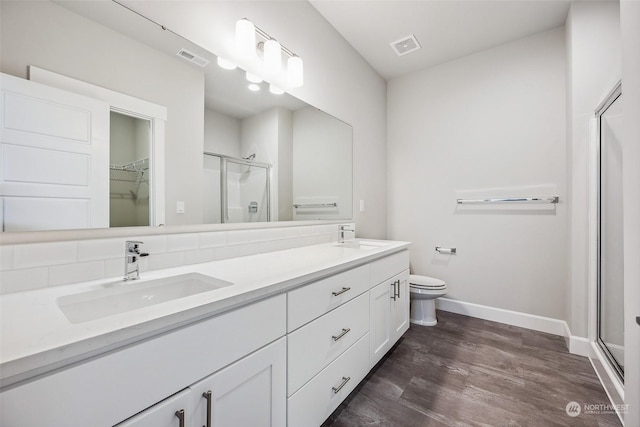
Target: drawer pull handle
344, 332
180, 415
207, 395
345, 380
340, 292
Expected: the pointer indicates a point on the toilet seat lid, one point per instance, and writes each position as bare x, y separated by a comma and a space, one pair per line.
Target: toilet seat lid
426, 282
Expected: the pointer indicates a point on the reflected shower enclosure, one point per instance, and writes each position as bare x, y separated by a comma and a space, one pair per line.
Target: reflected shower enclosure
610, 309
236, 190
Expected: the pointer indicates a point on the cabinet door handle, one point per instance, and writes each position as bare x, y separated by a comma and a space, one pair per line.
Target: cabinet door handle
207, 395
180, 415
345, 380
340, 292
344, 332
398, 287
393, 295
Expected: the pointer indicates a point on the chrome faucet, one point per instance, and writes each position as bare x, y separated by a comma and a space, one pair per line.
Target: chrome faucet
131, 256
344, 228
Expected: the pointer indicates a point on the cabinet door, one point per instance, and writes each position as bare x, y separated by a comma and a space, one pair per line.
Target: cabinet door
400, 306
250, 392
164, 414
380, 320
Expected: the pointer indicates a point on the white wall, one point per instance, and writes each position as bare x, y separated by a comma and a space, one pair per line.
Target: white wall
221, 133
51, 37
285, 165
259, 136
337, 79
474, 126
630, 29
593, 59
321, 160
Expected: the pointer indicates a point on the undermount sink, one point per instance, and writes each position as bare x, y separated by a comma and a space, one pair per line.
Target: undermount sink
128, 296
361, 244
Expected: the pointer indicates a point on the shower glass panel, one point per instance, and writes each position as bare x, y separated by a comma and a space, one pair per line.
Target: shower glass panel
610, 233
247, 191
236, 190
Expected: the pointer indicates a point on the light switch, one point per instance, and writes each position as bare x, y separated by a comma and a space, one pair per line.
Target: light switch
180, 207
361, 205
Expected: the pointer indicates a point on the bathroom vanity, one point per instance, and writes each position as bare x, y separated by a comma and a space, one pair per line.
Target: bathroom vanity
281, 338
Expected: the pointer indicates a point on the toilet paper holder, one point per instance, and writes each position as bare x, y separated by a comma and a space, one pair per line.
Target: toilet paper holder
442, 250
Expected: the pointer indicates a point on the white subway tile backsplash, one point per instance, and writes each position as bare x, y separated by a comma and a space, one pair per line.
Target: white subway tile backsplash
164, 260
198, 255
42, 254
92, 250
213, 239
73, 273
114, 267
23, 280
238, 237
182, 242
33, 266
151, 244
6, 257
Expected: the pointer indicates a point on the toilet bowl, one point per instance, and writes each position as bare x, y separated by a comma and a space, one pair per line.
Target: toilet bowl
423, 293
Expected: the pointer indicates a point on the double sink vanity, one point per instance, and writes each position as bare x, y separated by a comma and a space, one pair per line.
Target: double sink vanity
274, 339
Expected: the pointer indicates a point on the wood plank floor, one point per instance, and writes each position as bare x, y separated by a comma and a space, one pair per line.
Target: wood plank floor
472, 372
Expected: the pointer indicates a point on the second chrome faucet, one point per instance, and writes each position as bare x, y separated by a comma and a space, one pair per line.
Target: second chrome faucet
132, 255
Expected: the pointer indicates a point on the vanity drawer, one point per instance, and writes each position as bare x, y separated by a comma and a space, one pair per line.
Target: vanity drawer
387, 267
309, 302
317, 399
317, 344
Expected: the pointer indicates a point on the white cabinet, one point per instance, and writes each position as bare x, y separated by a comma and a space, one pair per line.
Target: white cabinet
106, 390
318, 398
400, 306
389, 316
172, 412
250, 392
389, 303
380, 320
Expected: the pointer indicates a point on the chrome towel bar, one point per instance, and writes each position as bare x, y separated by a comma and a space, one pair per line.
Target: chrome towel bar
316, 205
548, 199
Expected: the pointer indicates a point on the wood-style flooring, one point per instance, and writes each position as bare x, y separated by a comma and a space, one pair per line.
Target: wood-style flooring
471, 372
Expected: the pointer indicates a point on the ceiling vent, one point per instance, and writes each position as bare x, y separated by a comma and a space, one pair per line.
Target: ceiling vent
192, 57
405, 45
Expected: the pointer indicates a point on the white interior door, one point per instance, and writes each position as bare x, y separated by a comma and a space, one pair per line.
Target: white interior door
54, 158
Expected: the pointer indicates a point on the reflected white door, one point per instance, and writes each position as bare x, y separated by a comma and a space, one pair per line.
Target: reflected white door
54, 158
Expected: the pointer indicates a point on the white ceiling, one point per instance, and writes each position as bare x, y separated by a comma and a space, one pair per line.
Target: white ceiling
446, 29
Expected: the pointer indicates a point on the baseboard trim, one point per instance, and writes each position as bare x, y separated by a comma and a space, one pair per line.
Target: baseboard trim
575, 345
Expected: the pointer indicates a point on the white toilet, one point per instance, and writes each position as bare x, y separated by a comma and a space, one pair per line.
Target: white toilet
424, 291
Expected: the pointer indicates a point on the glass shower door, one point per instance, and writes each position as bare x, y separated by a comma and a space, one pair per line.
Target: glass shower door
245, 191
610, 234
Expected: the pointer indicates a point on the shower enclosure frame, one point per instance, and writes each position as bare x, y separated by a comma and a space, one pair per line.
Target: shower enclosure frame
224, 201
615, 94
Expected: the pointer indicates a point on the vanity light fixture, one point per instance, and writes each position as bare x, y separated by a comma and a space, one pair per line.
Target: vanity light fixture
227, 65
271, 52
253, 78
275, 90
245, 39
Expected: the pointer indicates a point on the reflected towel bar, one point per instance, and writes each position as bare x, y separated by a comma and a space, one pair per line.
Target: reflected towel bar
549, 199
316, 205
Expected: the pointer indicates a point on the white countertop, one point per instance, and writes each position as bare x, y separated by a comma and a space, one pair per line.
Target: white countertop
36, 337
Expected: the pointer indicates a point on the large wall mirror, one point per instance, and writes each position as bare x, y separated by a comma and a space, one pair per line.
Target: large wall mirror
216, 152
